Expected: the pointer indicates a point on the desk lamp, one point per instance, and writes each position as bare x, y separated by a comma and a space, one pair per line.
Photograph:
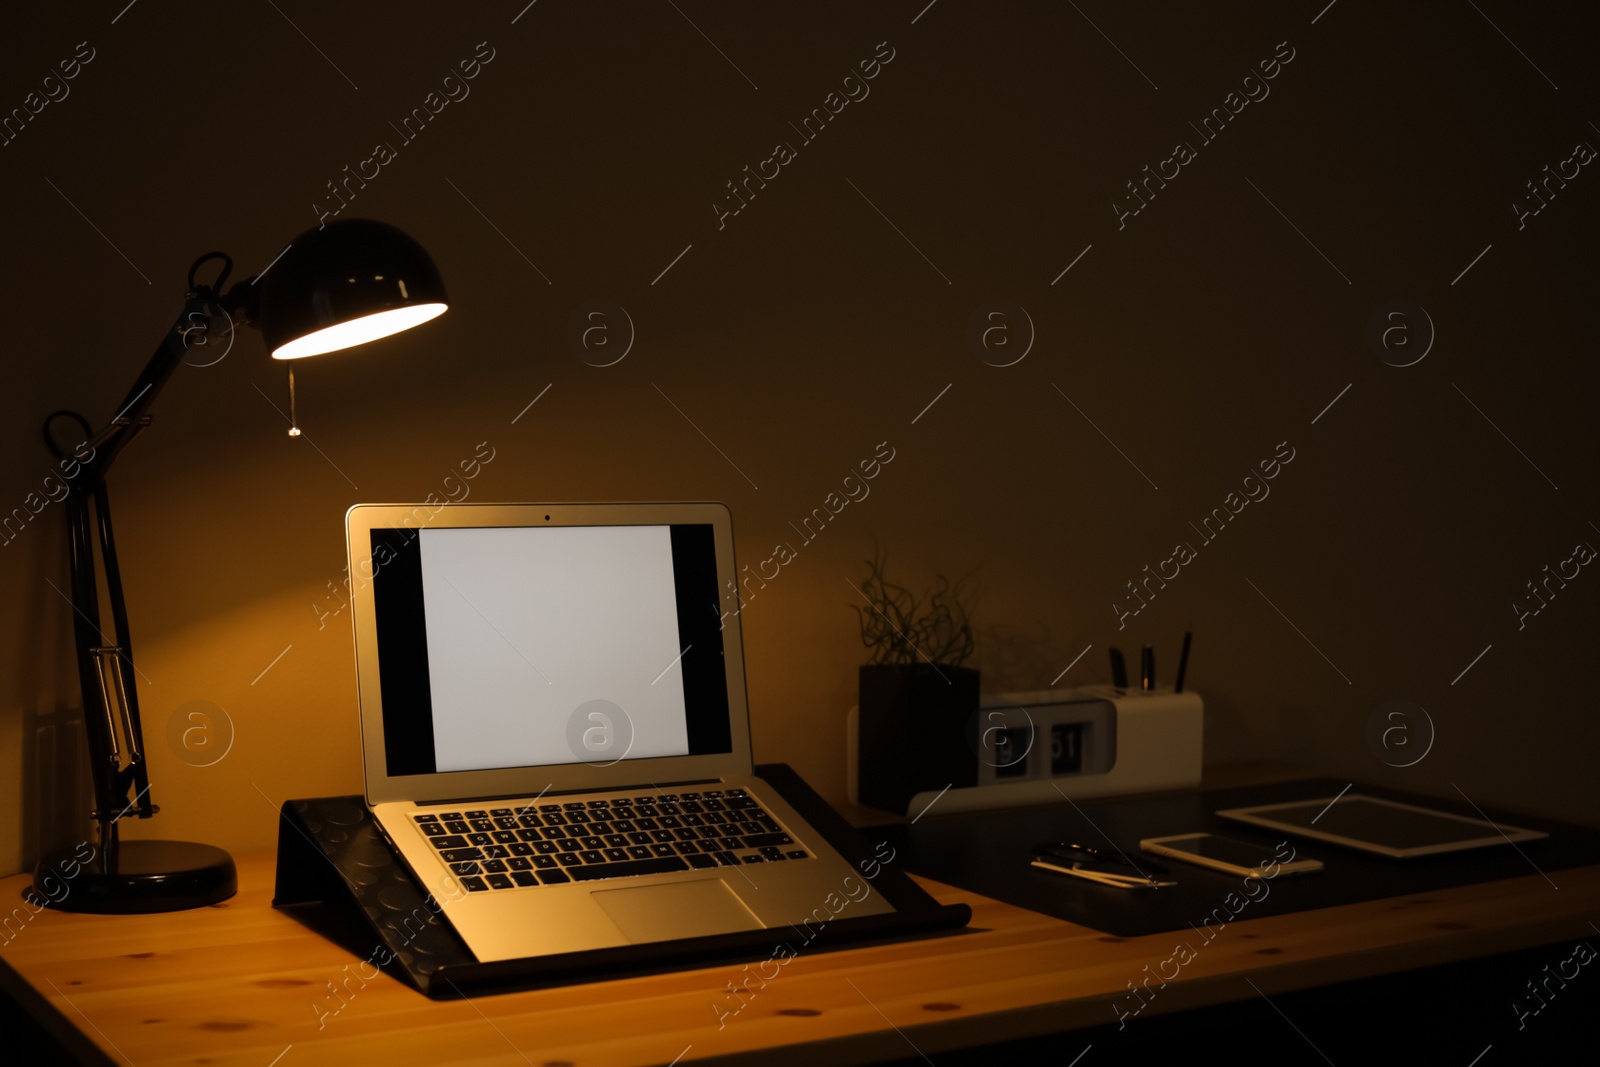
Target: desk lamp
343, 284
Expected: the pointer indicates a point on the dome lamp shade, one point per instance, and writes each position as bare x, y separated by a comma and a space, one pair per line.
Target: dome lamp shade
346, 283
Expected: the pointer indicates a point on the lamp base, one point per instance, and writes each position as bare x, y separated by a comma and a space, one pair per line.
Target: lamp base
135, 878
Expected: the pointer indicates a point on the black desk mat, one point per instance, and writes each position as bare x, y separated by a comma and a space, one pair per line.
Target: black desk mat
989, 853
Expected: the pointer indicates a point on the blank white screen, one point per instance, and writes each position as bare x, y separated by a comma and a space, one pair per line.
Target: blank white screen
524, 625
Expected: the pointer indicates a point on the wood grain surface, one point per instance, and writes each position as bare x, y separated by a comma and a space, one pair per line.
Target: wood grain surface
241, 983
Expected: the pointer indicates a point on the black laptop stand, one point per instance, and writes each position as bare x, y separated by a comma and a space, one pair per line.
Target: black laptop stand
331, 853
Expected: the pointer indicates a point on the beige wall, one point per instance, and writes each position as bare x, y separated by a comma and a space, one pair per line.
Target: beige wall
807, 330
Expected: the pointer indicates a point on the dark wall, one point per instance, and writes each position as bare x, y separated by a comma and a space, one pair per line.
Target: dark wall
1172, 351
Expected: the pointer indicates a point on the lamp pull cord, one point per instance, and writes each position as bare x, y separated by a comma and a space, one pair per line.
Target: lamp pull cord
294, 422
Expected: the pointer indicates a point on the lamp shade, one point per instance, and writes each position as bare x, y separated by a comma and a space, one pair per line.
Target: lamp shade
346, 283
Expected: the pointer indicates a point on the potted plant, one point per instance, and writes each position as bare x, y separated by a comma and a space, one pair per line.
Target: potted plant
917, 703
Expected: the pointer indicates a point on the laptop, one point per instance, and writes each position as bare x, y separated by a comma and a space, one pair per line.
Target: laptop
554, 730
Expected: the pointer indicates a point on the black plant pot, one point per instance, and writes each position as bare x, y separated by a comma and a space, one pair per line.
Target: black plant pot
917, 728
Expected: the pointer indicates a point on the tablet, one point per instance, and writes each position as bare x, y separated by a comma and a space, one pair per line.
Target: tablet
1384, 827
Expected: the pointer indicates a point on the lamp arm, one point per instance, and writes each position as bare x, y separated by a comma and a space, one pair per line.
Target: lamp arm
106, 673
203, 318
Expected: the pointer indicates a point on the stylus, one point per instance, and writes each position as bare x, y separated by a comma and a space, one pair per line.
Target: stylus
1119, 669
1183, 661
1121, 881
1147, 668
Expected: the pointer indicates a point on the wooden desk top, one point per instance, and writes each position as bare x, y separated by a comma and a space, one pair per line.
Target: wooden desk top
240, 983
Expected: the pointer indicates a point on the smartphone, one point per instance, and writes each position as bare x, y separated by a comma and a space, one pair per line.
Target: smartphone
1224, 854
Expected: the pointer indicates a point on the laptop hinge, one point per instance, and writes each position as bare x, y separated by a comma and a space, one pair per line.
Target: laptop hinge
625, 788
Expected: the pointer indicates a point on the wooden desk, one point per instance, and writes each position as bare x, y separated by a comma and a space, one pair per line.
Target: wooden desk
240, 983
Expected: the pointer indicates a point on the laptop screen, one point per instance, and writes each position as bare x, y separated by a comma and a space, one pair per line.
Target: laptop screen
513, 646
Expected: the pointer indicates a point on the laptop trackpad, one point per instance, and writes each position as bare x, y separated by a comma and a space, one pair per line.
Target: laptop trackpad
676, 909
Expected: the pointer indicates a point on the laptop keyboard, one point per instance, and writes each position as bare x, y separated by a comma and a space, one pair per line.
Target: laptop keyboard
620, 837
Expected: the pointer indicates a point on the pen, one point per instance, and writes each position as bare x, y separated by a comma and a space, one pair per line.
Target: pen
1183, 661
1093, 865
1119, 669
1147, 669
1121, 881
